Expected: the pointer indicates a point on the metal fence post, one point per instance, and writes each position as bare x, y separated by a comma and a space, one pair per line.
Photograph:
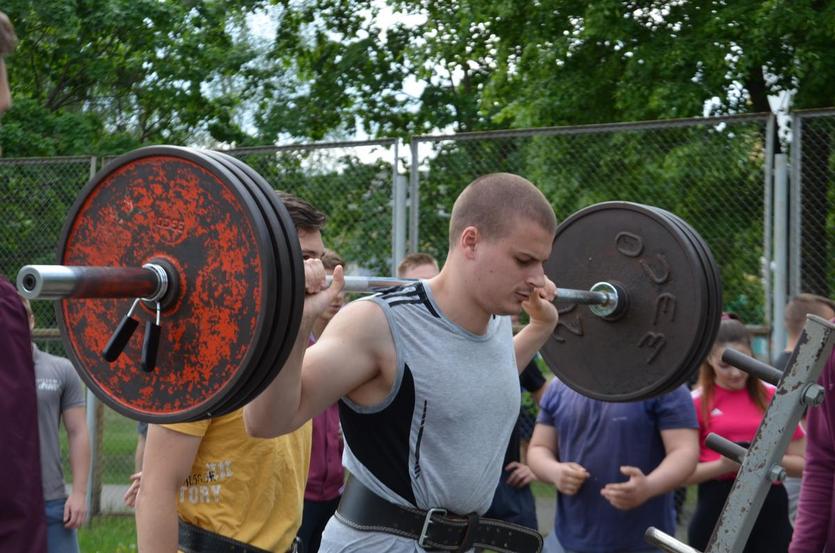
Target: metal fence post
95, 426
781, 232
414, 213
398, 215
796, 199
768, 213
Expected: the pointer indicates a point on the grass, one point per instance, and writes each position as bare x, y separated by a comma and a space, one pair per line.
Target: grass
108, 534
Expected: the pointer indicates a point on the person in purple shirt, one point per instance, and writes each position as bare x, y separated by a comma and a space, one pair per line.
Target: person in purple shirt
614, 465
814, 527
22, 519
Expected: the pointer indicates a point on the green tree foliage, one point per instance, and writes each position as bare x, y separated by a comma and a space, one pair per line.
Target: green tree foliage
518, 63
105, 76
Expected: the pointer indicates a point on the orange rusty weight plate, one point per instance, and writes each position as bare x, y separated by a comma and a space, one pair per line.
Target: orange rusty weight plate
290, 276
173, 204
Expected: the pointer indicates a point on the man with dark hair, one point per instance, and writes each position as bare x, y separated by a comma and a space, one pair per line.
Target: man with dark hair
427, 379
230, 491
418, 265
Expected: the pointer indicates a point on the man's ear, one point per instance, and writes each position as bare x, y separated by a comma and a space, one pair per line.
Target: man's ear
469, 241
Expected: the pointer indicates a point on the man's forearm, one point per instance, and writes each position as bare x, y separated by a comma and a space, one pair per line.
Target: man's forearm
673, 471
274, 411
529, 340
79, 447
156, 521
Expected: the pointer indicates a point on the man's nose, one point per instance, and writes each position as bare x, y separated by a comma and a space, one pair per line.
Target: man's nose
536, 278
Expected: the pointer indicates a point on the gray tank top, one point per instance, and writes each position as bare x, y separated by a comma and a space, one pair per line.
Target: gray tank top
439, 437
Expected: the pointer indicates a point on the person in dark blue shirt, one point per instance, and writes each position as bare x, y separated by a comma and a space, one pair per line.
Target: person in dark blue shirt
614, 465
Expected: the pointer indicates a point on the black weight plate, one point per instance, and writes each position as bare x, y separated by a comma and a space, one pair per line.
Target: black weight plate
642, 352
293, 266
694, 355
243, 393
714, 281
185, 209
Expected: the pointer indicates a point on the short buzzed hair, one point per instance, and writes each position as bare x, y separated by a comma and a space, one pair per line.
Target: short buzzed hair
494, 202
415, 259
802, 305
304, 215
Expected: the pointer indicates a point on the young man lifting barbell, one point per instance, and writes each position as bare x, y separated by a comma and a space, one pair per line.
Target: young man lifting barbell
424, 445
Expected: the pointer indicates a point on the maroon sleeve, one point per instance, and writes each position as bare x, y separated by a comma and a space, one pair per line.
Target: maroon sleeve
814, 522
22, 516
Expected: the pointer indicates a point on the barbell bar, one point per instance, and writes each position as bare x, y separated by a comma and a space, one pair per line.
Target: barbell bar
206, 243
151, 282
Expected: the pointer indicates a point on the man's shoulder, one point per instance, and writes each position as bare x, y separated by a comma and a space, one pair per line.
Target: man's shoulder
55, 363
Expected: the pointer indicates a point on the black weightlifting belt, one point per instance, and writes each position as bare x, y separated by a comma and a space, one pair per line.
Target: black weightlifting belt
193, 539
434, 529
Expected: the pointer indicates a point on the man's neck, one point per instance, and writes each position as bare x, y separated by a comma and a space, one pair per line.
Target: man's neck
455, 300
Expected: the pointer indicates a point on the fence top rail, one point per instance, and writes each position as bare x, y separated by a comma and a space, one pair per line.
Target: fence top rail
45, 160
814, 112
311, 146
597, 128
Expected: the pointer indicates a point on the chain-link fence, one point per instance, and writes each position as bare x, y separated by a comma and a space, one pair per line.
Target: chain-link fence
712, 173
812, 217
352, 182
716, 174
36, 195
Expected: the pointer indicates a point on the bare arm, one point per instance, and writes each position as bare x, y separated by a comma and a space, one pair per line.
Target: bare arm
794, 461
351, 351
168, 459
543, 320
78, 440
711, 470
543, 460
682, 453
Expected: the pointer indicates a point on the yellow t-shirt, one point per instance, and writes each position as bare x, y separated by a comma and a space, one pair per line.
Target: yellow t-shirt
248, 489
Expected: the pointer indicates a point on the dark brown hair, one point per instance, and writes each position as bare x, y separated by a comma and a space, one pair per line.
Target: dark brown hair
331, 259
731, 330
304, 215
494, 203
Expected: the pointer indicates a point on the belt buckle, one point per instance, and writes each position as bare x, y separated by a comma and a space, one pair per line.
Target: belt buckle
426, 522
